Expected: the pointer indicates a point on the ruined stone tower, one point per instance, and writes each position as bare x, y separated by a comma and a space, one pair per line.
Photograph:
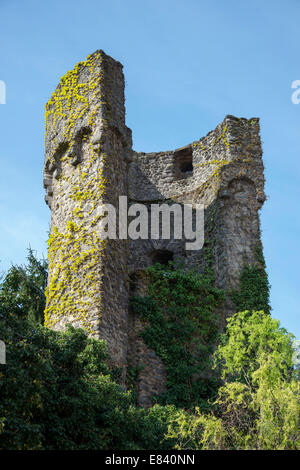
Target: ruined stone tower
89, 161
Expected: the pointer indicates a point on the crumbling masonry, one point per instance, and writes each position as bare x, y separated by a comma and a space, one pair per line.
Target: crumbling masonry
89, 161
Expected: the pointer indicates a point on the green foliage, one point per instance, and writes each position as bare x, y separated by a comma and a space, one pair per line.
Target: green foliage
296, 358
252, 338
254, 289
56, 393
132, 374
23, 288
258, 406
181, 327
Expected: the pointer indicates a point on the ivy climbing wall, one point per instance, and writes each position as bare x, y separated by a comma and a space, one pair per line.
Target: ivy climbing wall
227, 177
86, 145
89, 161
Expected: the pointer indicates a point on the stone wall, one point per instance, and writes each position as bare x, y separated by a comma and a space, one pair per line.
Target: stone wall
90, 161
227, 178
85, 167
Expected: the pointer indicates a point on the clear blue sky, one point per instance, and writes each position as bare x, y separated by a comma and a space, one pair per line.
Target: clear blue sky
187, 64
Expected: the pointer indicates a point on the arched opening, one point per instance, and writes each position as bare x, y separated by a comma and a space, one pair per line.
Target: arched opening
162, 257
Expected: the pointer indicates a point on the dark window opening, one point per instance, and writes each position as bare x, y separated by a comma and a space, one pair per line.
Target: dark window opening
133, 283
138, 283
183, 162
162, 257
187, 166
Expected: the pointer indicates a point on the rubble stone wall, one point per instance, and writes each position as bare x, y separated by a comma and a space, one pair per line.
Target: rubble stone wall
89, 162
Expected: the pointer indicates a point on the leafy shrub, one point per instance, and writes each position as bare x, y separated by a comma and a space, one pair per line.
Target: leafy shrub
56, 393
258, 405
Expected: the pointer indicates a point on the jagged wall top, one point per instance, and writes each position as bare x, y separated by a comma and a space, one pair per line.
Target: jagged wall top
89, 162
89, 97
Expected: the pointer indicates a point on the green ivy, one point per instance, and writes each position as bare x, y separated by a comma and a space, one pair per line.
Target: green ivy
132, 376
254, 289
181, 327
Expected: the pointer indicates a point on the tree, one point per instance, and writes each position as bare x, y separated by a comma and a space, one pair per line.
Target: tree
258, 405
57, 393
23, 288
57, 390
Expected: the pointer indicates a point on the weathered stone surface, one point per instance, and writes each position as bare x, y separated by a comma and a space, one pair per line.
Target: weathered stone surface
89, 161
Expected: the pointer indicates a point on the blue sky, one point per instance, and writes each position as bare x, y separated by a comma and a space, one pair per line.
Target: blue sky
187, 64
